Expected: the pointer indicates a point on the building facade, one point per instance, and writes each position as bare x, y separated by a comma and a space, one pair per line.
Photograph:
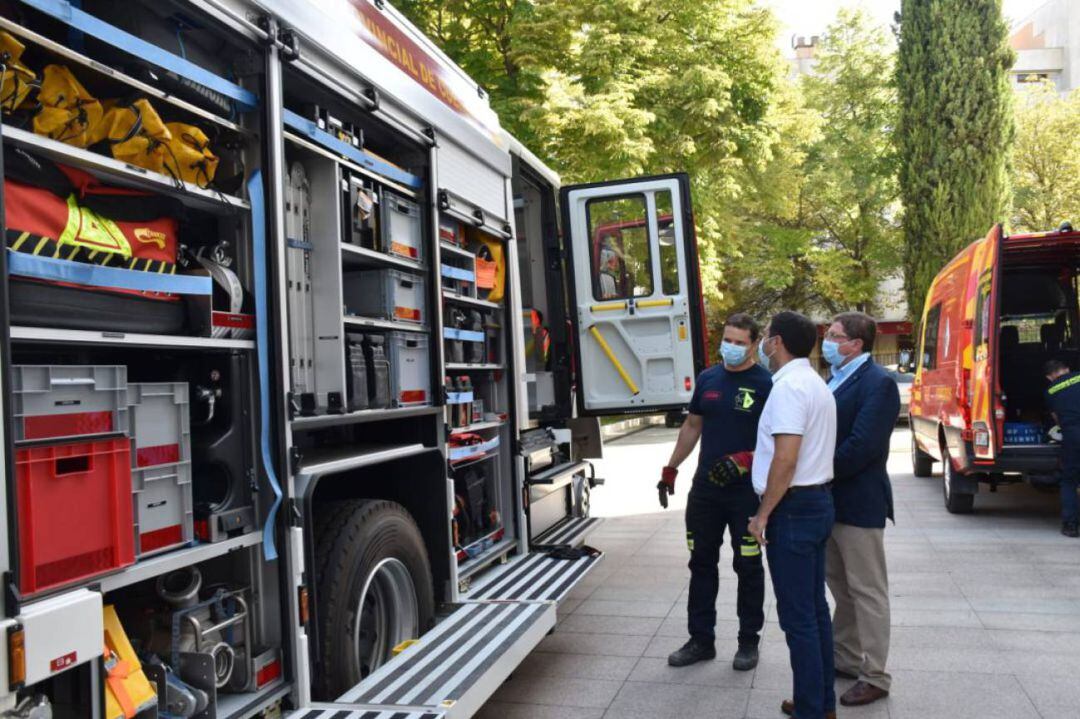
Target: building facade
1047, 44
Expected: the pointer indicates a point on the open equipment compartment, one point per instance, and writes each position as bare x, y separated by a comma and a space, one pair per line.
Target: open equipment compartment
168, 304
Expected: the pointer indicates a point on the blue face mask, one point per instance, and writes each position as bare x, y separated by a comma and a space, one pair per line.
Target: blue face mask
761, 354
830, 350
734, 355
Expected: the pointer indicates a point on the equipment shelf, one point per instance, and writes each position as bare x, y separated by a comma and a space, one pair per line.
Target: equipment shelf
455, 250
165, 563
244, 706
449, 296
145, 88
110, 338
478, 427
372, 323
472, 565
364, 415
323, 152
465, 367
353, 256
124, 174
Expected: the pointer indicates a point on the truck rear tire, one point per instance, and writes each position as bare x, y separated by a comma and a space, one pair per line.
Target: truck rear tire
922, 463
956, 501
374, 586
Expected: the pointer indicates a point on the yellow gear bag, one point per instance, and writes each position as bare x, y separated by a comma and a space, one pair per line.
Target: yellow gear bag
68, 112
18, 79
127, 690
189, 156
135, 133
498, 257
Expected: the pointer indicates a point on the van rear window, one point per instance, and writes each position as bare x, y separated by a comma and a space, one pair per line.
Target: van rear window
930, 337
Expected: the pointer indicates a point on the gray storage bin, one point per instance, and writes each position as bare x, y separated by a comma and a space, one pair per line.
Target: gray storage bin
163, 504
401, 226
68, 401
410, 368
160, 423
386, 295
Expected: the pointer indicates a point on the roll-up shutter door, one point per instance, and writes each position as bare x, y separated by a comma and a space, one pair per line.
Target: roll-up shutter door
469, 181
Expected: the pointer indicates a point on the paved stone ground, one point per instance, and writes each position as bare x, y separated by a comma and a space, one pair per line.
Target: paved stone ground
985, 612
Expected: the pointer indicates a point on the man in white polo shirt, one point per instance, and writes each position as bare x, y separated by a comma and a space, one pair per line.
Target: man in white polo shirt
792, 472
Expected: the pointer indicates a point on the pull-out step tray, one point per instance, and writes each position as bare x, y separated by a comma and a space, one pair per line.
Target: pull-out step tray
570, 531
452, 670
533, 577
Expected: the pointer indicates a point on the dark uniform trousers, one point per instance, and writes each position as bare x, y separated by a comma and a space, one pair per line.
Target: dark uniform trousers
710, 509
1070, 473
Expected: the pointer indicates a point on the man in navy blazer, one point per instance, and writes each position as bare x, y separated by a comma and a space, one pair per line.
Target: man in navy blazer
867, 407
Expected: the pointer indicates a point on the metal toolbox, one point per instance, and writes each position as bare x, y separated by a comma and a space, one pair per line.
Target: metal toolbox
410, 368
161, 466
401, 226
386, 294
68, 401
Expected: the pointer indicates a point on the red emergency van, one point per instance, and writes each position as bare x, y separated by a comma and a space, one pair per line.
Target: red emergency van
993, 316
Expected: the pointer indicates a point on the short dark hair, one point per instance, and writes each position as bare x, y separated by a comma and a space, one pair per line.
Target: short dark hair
743, 321
797, 332
1054, 365
858, 326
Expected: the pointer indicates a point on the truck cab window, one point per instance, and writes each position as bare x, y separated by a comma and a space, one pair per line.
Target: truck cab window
930, 338
619, 248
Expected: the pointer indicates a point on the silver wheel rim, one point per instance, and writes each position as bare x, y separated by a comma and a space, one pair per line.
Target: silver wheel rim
386, 615
946, 473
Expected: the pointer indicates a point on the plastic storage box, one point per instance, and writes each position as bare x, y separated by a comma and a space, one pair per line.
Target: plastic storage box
53, 402
401, 227
74, 504
386, 294
161, 466
410, 368
1023, 433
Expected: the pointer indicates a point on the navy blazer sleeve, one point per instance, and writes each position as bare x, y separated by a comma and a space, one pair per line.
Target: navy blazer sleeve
879, 406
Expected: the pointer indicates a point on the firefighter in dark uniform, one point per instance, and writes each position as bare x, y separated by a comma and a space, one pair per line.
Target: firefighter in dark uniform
724, 413
1063, 399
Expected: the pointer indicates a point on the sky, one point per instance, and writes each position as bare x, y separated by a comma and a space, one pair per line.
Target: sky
809, 17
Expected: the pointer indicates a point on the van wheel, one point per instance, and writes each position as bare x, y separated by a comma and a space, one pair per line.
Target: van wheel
955, 501
374, 586
922, 463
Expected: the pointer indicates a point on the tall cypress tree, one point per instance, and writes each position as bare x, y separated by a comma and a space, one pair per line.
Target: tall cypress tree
954, 131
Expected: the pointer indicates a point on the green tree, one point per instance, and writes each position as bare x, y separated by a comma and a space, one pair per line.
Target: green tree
954, 130
851, 189
1046, 159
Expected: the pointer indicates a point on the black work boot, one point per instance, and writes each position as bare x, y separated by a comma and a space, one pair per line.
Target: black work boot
745, 659
1069, 529
692, 651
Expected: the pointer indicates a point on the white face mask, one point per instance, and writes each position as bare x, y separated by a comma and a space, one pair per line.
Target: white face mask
766, 358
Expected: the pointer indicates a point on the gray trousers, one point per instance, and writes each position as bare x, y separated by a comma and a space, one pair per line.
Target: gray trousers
858, 579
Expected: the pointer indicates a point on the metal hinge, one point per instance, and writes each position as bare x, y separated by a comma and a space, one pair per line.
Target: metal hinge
296, 457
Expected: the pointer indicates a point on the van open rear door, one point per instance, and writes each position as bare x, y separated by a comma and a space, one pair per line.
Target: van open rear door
635, 293
981, 371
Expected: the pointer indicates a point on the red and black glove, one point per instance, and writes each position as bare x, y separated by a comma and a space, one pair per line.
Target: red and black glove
666, 485
731, 468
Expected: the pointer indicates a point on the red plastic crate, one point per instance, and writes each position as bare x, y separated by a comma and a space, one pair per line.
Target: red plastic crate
75, 515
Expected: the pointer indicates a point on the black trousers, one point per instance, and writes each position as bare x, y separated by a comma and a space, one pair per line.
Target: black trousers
709, 511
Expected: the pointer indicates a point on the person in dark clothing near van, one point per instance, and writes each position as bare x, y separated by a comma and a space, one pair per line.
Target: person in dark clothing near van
1063, 399
867, 406
724, 412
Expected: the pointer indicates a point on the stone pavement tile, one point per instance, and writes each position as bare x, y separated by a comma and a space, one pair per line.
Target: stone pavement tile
596, 624
660, 646
505, 710
958, 695
590, 693
1026, 642
566, 607
931, 603
1052, 696
765, 704
717, 673
625, 607
774, 671
1035, 603
675, 626
921, 584
947, 658
937, 637
651, 700
1038, 622
576, 666
608, 645
641, 592
935, 618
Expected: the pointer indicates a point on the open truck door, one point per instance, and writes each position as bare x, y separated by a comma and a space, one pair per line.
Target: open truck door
981, 382
635, 293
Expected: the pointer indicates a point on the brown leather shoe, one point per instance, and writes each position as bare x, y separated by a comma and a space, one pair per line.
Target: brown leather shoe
788, 707
862, 693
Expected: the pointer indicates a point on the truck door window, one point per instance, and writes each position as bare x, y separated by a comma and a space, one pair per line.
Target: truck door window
930, 337
669, 252
982, 315
619, 248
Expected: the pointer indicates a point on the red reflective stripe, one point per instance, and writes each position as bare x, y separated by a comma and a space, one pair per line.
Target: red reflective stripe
47, 426
164, 537
415, 395
161, 454
268, 674
227, 319
407, 313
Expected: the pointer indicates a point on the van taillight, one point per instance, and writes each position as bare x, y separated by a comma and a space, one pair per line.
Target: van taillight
982, 437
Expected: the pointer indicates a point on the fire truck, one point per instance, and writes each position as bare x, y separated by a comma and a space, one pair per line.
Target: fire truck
302, 358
